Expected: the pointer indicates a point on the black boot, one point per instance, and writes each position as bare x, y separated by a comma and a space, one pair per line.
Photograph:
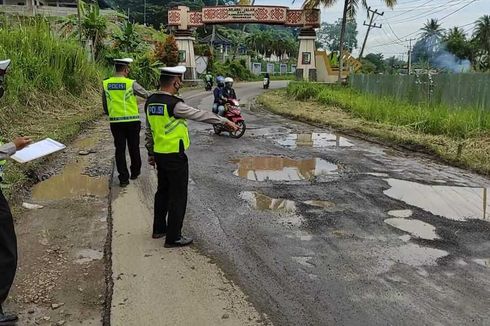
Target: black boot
7, 320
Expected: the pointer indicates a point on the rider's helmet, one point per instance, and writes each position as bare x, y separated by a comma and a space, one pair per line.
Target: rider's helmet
228, 82
220, 81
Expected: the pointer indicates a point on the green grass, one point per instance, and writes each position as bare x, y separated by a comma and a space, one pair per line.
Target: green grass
52, 89
469, 150
434, 120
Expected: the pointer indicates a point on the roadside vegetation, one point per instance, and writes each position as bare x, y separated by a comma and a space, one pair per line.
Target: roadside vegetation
459, 136
52, 88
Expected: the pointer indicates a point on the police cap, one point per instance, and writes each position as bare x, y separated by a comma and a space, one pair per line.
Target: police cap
177, 71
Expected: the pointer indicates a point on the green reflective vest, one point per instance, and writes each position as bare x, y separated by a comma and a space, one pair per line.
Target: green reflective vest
121, 101
168, 131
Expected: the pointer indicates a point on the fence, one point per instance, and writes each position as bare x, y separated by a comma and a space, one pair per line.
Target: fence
452, 90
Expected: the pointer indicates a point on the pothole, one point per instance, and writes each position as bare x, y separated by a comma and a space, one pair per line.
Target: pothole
275, 168
71, 183
416, 228
455, 203
315, 140
401, 213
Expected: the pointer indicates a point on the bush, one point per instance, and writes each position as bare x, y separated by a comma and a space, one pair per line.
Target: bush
232, 69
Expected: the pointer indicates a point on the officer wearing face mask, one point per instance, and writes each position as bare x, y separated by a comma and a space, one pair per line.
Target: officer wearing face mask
167, 139
8, 240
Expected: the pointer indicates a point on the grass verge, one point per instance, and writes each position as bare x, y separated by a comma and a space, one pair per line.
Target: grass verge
52, 90
470, 150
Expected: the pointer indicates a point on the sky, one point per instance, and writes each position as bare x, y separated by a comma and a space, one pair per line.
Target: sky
403, 21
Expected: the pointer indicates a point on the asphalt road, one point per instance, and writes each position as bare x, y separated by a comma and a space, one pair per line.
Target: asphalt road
322, 229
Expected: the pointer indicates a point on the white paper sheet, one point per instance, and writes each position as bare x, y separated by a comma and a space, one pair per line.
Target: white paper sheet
38, 150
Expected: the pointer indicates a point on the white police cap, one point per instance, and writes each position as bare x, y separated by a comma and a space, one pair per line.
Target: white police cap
125, 61
4, 64
173, 71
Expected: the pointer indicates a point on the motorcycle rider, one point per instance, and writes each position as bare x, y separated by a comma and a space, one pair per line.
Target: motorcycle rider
219, 99
228, 91
267, 80
208, 79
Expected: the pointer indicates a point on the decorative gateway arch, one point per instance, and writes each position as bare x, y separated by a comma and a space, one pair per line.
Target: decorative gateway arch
183, 20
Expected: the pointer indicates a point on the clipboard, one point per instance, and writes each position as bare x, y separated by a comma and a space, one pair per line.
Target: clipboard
38, 150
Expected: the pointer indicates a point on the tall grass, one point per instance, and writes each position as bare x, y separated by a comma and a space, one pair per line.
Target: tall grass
434, 120
42, 62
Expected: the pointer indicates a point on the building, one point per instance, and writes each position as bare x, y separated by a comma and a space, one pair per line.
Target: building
59, 8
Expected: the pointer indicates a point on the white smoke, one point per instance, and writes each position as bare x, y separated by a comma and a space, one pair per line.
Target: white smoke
448, 61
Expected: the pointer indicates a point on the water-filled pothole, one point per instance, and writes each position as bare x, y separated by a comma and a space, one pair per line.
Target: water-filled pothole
315, 140
275, 168
416, 228
456, 203
71, 183
262, 202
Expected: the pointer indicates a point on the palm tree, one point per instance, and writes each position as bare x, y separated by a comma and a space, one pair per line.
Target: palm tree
432, 29
481, 38
350, 8
456, 43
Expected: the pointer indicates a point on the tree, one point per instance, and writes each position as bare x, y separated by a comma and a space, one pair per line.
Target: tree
94, 29
170, 55
128, 40
377, 60
328, 36
350, 8
481, 39
456, 43
432, 28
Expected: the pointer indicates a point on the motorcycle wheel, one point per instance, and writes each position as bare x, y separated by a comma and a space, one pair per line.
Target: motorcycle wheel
239, 133
217, 129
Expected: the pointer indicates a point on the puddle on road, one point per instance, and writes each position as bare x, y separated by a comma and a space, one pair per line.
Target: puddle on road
415, 255
85, 143
320, 203
416, 228
315, 140
88, 255
274, 168
401, 213
456, 203
263, 202
482, 262
70, 183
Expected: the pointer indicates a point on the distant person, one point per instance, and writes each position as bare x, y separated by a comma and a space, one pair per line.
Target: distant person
8, 239
120, 103
167, 139
219, 99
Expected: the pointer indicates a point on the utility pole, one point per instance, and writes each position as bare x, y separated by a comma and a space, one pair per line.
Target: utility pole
370, 25
410, 55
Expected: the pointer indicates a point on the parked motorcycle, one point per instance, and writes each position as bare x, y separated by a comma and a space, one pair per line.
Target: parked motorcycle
232, 113
266, 83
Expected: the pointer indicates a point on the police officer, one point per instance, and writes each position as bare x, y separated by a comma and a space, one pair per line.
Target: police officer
167, 139
8, 240
119, 101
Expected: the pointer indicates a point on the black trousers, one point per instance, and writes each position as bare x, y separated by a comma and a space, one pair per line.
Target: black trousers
171, 195
127, 133
8, 249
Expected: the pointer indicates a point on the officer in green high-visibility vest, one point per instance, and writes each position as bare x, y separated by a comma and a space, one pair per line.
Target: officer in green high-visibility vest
119, 101
167, 139
8, 240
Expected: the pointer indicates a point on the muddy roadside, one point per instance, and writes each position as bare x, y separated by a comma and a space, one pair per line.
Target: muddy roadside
61, 274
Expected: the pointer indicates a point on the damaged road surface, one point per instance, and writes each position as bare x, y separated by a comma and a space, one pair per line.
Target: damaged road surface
314, 227
293, 225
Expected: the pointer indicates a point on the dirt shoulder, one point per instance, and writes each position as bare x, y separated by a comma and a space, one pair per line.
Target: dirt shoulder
472, 153
61, 274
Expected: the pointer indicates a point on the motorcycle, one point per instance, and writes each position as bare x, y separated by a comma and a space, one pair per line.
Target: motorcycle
209, 86
266, 83
232, 113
